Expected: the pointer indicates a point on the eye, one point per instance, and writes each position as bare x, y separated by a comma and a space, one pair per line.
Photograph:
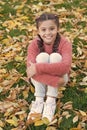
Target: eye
43, 29
52, 28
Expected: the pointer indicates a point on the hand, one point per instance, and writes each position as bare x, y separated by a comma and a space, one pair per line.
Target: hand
31, 70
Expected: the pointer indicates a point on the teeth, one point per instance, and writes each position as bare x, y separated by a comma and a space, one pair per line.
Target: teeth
48, 37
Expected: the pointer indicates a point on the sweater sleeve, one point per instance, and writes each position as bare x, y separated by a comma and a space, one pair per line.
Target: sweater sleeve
60, 68
32, 52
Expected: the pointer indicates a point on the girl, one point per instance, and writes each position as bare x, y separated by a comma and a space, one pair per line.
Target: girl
48, 65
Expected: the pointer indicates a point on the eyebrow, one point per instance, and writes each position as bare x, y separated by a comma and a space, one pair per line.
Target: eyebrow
49, 26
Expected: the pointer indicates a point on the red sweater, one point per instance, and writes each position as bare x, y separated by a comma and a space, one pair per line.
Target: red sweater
50, 73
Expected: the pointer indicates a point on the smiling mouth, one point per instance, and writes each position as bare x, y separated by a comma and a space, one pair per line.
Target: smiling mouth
48, 37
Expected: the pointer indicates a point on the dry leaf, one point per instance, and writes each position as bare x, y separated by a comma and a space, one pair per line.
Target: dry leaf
20, 112
25, 94
2, 123
1, 128
75, 119
51, 128
85, 64
82, 113
75, 129
84, 79
19, 58
67, 105
38, 123
67, 116
53, 122
65, 113
45, 121
13, 121
32, 88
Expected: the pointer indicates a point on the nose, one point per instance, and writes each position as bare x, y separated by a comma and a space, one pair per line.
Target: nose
47, 31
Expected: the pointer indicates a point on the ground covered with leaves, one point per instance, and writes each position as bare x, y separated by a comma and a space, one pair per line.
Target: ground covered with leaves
17, 29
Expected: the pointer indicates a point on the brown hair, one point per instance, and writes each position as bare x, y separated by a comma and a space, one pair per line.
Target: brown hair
44, 17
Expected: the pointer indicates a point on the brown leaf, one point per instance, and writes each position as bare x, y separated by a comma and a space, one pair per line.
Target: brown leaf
85, 64
67, 105
2, 123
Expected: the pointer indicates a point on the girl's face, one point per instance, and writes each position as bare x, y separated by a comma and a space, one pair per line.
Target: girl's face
48, 31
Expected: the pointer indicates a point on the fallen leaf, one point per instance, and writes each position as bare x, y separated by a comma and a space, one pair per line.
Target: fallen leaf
85, 64
1, 128
45, 121
65, 113
67, 105
13, 121
2, 123
32, 88
20, 112
82, 113
19, 58
75, 129
51, 128
25, 94
75, 119
39, 123
52, 122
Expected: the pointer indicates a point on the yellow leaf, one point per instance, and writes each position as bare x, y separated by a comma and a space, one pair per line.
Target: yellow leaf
45, 121
25, 94
32, 89
38, 123
51, 128
4, 41
9, 24
19, 58
22, 116
7, 113
85, 90
3, 71
61, 88
82, 113
75, 129
13, 121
